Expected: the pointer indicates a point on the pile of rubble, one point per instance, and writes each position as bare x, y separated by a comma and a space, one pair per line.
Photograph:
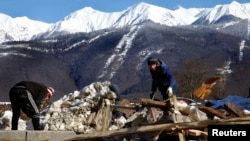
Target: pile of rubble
87, 110
96, 108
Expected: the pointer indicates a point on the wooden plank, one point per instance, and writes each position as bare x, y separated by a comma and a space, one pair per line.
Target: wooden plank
211, 112
233, 109
153, 103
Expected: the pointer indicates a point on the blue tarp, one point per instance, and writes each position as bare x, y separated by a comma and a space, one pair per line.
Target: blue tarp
240, 102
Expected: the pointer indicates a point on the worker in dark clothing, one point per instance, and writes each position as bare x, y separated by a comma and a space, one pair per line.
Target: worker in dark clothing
163, 78
28, 96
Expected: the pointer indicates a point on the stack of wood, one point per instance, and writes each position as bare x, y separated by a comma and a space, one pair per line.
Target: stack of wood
182, 130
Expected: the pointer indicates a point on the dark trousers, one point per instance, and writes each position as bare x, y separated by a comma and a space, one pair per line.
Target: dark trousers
164, 95
20, 101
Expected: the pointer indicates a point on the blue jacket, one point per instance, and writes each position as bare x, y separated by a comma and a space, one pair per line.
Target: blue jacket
163, 78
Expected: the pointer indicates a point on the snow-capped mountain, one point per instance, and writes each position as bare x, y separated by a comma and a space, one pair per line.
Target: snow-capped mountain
88, 20
211, 16
20, 28
119, 55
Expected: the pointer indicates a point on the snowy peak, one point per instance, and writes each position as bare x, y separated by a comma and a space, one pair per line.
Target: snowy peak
145, 8
236, 9
143, 11
88, 19
210, 16
85, 12
239, 10
19, 28
83, 20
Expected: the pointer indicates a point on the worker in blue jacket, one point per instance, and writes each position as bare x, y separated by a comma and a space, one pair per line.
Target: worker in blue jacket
163, 78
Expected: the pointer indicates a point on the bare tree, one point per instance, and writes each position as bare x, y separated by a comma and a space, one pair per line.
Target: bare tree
190, 76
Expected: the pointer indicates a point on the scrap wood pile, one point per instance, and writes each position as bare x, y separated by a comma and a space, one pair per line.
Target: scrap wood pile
184, 121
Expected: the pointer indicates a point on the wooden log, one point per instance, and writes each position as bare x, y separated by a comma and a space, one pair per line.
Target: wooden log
159, 127
149, 103
153, 103
152, 114
211, 112
125, 107
233, 109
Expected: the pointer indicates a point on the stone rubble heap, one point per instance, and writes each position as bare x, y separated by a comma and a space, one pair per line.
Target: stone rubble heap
87, 110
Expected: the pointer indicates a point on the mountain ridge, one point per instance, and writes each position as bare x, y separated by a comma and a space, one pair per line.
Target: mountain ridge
119, 55
71, 60
88, 19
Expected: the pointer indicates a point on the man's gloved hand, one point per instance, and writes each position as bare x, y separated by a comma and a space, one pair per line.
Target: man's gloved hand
170, 92
151, 95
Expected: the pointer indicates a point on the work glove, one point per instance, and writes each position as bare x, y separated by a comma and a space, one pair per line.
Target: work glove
170, 92
151, 95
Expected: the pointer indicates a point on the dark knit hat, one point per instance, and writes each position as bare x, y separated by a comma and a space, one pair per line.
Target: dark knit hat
114, 88
152, 60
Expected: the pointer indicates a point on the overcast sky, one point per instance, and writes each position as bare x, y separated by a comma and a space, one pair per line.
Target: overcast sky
51, 11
